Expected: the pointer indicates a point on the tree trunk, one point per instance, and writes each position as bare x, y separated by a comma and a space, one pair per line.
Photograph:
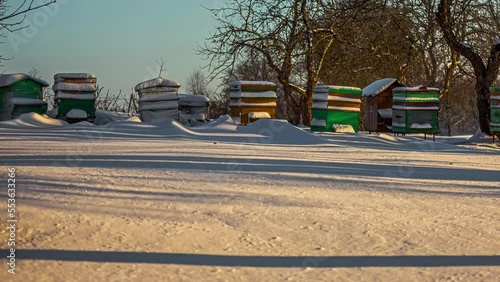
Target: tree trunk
483, 104
306, 105
293, 109
485, 74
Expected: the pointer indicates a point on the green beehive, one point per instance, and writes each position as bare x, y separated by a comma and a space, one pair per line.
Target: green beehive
335, 108
20, 94
495, 109
75, 95
415, 110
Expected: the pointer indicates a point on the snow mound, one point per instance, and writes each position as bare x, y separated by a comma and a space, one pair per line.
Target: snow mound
281, 132
77, 114
36, 120
103, 117
224, 123
343, 128
476, 137
82, 124
173, 127
134, 119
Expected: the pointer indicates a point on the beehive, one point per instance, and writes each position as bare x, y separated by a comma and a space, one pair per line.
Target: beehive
75, 93
415, 110
193, 107
336, 108
19, 94
252, 100
158, 99
495, 109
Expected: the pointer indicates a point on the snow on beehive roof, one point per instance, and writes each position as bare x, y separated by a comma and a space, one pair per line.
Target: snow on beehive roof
84, 87
241, 94
193, 98
338, 89
7, 80
157, 82
248, 82
418, 88
379, 86
76, 75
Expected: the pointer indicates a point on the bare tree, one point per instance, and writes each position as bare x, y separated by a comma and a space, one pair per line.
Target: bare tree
34, 72
161, 64
481, 23
12, 17
285, 33
197, 84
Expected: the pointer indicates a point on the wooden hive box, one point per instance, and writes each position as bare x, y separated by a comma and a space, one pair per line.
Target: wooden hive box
252, 100
335, 105
20, 94
415, 110
495, 109
75, 91
158, 99
193, 107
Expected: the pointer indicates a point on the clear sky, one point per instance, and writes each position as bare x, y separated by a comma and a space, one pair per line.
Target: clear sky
117, 40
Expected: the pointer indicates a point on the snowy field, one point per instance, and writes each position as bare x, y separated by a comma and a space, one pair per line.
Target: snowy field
266, 202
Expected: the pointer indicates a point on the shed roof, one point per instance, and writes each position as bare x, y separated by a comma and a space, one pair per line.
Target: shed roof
7, 80
380, 86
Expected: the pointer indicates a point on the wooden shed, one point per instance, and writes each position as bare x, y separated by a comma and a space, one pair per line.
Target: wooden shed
252, 100
75, 95
378, 95
336, 108
495, 109
19, 94
158, 99
415, 110
193, 107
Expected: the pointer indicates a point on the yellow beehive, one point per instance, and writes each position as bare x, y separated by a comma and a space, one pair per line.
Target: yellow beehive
252, 100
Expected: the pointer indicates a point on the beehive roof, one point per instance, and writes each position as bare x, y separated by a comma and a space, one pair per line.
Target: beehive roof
60, 76
379, 86
7, 80
255, 83
157, 82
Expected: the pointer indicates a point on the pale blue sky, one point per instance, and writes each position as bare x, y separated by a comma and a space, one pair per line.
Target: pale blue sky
117, 40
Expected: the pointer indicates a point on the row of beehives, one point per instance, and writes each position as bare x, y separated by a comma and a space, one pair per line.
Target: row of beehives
159, 99
390, 106
337, 108
393, 107
75, 95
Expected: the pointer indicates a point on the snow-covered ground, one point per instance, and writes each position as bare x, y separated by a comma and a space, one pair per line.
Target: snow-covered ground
266, 202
